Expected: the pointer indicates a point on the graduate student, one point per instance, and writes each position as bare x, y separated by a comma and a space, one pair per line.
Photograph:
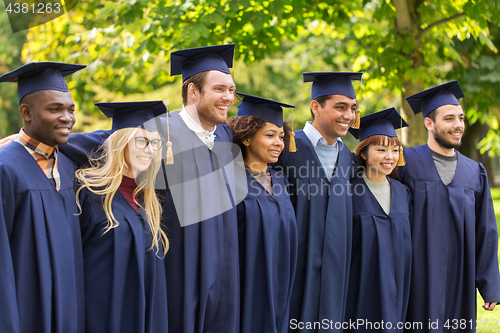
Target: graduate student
41, 278
123, 243
454, 232
266, 220
319, 176
199, 195
202, 265
379, 282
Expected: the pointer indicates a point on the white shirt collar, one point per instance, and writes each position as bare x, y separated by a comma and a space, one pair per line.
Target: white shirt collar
207, 137
315, 136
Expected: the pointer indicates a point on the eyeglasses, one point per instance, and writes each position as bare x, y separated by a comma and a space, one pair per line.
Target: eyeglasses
142, 143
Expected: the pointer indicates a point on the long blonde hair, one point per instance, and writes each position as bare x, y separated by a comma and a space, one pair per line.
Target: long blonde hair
104, 176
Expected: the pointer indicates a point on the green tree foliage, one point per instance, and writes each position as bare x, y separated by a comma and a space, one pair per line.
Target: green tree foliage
403, 46
10, 57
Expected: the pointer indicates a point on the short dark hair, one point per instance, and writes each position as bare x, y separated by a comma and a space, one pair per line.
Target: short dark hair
432, 115
246, 127
321, 100
198, 80
28, 99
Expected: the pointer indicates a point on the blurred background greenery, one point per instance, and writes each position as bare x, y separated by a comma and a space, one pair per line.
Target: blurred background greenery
402, 46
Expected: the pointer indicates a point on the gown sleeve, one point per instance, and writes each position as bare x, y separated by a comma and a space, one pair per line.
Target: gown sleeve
9, 318
487, 273
81, 145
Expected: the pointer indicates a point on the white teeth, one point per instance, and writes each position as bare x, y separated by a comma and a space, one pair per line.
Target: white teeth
343, 125
143, 158
64, 129
222, 107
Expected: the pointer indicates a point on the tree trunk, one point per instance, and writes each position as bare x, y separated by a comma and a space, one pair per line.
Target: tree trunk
472, 135
408, 24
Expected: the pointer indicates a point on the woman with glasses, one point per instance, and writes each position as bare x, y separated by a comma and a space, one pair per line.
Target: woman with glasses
123, 243
379, 281
267, 231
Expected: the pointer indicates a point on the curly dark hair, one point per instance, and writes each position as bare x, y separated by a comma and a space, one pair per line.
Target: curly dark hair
246, 127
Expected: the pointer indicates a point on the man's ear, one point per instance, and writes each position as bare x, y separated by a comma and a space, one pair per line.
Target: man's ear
192, 91
246, 142
26, 112
315, 107
428, 123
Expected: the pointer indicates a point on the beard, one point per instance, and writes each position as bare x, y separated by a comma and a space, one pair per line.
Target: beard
207, 115
439, 136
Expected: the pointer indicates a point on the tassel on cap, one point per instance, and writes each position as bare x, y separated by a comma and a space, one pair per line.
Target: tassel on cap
292, 146
170, 154
401, 160
357, 120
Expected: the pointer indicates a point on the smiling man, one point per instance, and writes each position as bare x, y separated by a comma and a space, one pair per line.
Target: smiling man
319, 175
202, 263
41, 285
454, 232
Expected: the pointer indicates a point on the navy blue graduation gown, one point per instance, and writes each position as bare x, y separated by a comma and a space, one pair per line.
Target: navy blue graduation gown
41, 279
268, 255
125, 283
324, 223
454, 239
199, 194
379, 282
202, 263
82, 145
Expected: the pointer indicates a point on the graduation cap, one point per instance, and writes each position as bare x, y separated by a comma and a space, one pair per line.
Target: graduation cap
384, 122
137, 114
430, 99
332, 83
189, 62
132, 114
40, 76
267, 109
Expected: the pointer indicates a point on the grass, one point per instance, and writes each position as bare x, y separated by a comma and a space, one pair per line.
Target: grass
491, 317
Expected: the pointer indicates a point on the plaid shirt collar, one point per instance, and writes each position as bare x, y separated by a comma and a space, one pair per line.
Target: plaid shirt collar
44, 155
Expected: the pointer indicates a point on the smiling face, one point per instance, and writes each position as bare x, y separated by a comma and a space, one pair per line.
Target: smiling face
446, 131
381, 159
48, 116
139, 159
213, 102
264, 147
334, 118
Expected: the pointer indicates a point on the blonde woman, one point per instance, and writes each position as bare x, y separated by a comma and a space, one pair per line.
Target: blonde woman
123, 243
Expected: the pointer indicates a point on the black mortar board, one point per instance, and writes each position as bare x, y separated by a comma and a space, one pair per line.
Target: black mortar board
189, 62
40, 76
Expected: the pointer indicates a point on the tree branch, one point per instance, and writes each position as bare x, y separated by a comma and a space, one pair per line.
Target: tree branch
435, 24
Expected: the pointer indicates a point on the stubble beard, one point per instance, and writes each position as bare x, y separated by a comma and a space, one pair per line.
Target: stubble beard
440, 139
